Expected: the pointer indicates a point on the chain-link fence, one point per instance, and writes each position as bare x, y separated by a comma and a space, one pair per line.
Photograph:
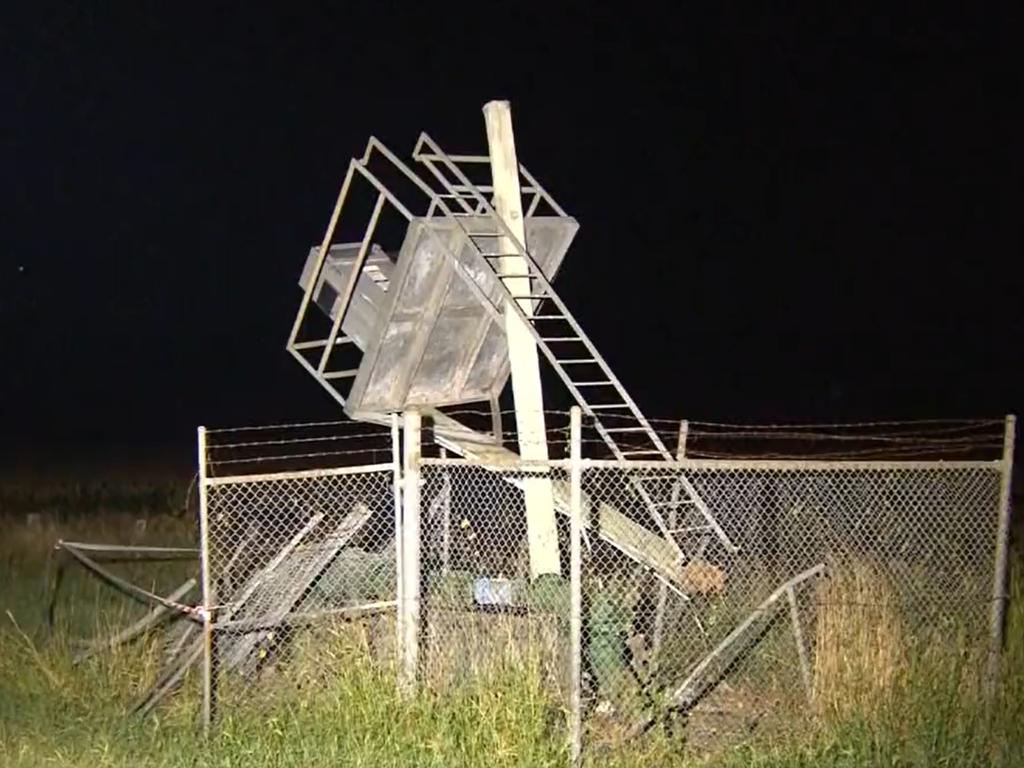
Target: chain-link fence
284, 550
483, 613
789, 580
729, 590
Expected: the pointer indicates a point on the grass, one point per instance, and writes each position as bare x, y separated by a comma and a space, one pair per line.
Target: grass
883, 698
860, 643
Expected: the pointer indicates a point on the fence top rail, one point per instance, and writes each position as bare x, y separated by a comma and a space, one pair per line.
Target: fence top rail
783, 465
299, 474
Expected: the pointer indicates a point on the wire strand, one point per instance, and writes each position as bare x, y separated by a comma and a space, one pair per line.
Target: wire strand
296, 456
296, 440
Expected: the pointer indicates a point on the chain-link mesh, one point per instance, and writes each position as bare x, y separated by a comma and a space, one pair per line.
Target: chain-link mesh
289, 549
482, 611
780, 579
707, 587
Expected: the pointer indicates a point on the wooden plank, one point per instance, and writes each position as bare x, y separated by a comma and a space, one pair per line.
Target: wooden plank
189, 652
280, 586
632, 539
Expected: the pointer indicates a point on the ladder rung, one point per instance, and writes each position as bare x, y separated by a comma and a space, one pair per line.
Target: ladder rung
608, 406
561, 338
651, 452
547, 317
593, 384
341, 374
576, 360
524, 298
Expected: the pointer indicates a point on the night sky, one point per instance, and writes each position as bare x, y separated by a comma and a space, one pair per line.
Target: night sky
781, 218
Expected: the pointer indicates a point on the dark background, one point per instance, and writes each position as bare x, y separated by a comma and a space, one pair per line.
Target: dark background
782, 217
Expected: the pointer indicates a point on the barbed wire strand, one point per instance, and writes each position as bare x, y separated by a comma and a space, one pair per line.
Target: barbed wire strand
296, 456
959, 422
290, 425
297, 440
825, 437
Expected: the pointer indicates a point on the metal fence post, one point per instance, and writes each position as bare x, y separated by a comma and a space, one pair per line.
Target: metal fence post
410, 605
209, 673
673, 521
446, 518
575, 588
999, 595
396, 483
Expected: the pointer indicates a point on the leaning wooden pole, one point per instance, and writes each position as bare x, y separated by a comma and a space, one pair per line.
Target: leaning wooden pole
542, 535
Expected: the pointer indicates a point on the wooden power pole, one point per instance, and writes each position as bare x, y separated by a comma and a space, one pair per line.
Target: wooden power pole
542, 534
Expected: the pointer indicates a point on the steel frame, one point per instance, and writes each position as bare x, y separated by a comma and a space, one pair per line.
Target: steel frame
472, 202
458, 201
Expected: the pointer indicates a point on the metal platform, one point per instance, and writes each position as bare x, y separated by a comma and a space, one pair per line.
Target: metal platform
440, 336
427, 340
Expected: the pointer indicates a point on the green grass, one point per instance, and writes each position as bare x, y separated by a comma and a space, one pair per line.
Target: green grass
356, 719
928, 713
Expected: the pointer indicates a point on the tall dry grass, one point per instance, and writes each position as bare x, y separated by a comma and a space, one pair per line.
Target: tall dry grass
861, 642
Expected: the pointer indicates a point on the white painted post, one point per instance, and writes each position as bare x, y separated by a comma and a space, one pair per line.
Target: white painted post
209, 673
541, 531
575, 588
999, 596
396, 461
446, 518
411, 552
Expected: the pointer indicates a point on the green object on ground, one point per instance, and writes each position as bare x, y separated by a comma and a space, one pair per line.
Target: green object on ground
357, 575
548, 593
608, 626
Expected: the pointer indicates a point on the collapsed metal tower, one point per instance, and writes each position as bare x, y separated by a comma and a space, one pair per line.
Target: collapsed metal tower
429, 326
